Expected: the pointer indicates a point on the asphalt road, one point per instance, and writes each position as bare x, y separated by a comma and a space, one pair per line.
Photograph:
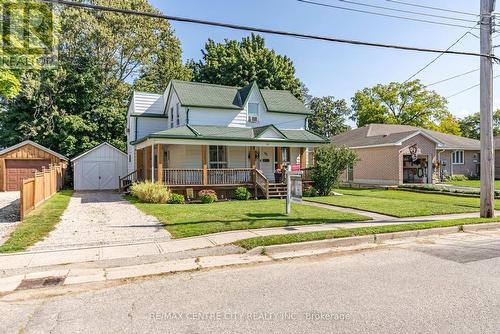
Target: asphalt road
448, 284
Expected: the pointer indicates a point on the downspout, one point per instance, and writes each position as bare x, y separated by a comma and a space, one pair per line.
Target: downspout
187, 116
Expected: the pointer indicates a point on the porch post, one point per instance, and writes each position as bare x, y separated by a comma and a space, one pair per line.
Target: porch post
139, 163
159, 161
153, 163
279, 158
204, 163
147, 161
303, 158
252, 157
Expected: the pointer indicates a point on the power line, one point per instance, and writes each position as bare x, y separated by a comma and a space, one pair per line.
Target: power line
453, 77
408, 11
264, 30
438, 56
433, 8
382, 14
469, 88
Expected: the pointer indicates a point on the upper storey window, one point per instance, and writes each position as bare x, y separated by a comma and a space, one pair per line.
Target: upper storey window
253, 112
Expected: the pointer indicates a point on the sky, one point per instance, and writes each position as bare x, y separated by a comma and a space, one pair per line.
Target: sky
340, 70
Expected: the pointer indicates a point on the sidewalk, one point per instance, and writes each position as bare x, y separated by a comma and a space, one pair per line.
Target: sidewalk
62, 276
41, 258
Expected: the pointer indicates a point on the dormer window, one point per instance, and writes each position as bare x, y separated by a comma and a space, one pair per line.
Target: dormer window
253, 112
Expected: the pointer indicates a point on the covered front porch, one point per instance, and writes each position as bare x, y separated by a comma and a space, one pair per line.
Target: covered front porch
187, 168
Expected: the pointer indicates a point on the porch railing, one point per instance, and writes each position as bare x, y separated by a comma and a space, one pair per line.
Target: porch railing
262, 182
230, 176
179, 177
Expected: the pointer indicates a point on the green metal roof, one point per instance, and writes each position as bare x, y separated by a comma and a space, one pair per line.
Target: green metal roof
207, 132
195, 94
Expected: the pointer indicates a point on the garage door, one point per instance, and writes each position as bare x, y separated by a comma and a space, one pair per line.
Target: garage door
17, 170
99, 175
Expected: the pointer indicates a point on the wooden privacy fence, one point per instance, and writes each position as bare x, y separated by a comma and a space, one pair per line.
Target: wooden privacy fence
40, 187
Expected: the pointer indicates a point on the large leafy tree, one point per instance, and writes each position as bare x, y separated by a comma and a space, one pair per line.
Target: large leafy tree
470, 125
448, 124
407, 103
84, 101
238, 63
329, 115
18, 52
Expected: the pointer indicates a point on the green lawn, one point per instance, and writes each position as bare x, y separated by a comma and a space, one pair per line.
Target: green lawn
344, 233
400, 203
38, 223
472, 183
197, 219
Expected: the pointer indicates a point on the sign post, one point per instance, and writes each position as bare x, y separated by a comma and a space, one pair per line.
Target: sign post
293, 186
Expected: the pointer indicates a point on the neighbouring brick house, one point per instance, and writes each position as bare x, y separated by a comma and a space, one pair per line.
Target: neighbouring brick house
385, 153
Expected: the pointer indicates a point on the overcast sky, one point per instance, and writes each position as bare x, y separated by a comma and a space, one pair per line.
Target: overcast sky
337, 69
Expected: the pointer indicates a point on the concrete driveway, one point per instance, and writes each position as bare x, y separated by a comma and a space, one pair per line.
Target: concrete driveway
95, 218
9, 213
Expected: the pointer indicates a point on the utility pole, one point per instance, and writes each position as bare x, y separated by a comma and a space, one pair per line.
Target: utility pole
486, 109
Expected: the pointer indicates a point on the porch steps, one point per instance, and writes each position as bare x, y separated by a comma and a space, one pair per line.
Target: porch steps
277, 190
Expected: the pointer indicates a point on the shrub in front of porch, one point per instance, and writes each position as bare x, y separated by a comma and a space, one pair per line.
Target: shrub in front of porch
176, 199
207, 196
331, 162
148, 192
242, 194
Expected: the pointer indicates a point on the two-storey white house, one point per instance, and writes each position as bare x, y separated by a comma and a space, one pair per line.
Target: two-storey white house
198, 135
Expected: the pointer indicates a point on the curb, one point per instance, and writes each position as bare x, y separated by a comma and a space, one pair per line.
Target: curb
478, 227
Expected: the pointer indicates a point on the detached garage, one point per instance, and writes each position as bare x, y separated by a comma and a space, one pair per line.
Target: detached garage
100, 168
19, 162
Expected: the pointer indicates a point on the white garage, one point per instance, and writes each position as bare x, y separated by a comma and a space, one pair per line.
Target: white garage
100, 168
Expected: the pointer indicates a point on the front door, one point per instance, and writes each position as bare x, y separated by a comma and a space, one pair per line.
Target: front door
266, 161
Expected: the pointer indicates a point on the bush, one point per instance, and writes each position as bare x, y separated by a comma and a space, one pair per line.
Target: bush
456, 178
148, 192
208, 196
176, 199
310, 192
242, 194
331, 162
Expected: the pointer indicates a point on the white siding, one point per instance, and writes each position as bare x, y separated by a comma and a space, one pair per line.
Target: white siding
238, 157
219, 117
114, 161
284, 121
148, 125
149, 103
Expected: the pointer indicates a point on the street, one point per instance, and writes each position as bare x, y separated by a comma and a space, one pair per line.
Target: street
441, 284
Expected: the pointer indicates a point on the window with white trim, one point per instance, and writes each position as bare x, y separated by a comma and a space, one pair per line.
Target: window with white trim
457, 158
253, 112
217, 156
172, 117
178, 117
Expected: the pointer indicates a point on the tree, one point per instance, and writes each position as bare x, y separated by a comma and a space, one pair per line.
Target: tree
448, 124
399, 103
84, 101
470, 125
234, 63
16, 25
329, 115
331, 162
